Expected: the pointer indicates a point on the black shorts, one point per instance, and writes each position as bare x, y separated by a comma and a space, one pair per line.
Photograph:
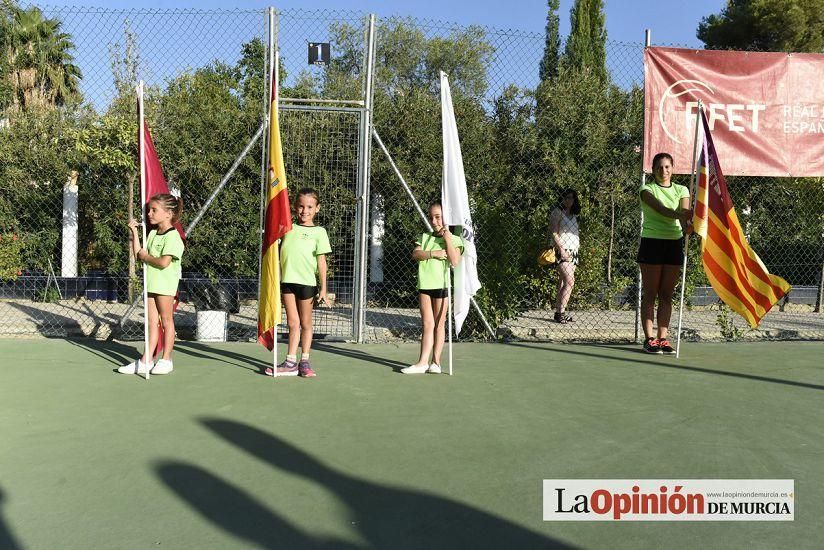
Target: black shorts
661, 251
434, 292
301, 292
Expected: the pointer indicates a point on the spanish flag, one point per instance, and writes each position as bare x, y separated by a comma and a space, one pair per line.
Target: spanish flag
276, 224
734, 270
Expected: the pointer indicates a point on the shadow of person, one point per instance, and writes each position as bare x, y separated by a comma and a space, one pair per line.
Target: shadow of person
48, 322
240, 360
114, 352
7, 540
388, 517
201, 351
235, 511
665, 363
359, 355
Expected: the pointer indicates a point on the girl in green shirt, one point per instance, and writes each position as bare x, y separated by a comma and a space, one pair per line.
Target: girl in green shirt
432, 252
164, 249
303, 253
666, 209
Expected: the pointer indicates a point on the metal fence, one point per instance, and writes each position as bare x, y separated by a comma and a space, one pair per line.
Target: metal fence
68, 164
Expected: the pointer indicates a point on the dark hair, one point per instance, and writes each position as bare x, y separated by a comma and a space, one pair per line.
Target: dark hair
307, 191
435, 203
661, 156
576, 204
169, 202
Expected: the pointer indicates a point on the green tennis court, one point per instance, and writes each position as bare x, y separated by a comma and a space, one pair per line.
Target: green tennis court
217, 456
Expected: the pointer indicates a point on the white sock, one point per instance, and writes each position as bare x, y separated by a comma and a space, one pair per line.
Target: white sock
292, 358
304, 356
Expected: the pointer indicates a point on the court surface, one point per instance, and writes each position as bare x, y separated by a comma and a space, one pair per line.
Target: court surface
216, 455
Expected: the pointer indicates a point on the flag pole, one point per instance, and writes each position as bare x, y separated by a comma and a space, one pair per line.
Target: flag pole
449, 308
687, 236
141, 160
448, 265
274, 61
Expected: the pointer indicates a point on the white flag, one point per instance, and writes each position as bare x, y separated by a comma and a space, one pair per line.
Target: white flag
456, 208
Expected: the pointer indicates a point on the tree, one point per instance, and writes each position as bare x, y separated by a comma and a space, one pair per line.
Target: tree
40, 69
766, 25
38, 154
552, 43
586, 45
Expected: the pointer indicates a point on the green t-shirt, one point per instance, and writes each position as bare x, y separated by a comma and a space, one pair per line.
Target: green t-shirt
432, 273
658, 226
299, 250
164, 280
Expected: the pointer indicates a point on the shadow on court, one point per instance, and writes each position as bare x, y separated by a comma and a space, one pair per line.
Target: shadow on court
386, 517
7, 540
576, 350
203, 351
109, 350
235, 511
359, 355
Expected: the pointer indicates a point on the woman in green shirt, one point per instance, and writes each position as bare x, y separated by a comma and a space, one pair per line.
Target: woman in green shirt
666, 209
432, 252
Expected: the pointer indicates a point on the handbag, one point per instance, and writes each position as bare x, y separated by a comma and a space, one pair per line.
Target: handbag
547, 257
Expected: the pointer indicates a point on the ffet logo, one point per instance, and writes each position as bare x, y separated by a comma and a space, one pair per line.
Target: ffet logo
737, 117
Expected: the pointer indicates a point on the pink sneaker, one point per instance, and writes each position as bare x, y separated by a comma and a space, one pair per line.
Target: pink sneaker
287, 368
305, 370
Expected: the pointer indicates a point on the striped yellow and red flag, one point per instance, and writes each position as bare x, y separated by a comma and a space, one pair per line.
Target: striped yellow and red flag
277, 222
734, 270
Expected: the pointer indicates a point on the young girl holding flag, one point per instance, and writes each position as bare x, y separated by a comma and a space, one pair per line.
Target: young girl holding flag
432, 252
303, 253
164, 249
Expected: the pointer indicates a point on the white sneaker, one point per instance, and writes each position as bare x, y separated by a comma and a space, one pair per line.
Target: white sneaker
434, 368
415, 369
163, 366
136, 366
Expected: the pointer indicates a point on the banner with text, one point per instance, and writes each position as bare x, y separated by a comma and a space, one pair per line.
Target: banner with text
766, 110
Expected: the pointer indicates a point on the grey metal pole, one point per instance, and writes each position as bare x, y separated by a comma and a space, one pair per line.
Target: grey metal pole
225, 179
364, 169
423, 216
268, 66
693, 180
356, 102
820, 300
640, 282
272, 98
400, 177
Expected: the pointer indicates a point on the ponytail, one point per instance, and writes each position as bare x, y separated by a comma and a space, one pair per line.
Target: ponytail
171, 203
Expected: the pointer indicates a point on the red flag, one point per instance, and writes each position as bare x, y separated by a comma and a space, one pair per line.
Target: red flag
156, 184
734, 270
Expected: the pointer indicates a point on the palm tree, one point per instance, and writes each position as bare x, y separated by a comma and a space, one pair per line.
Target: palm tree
39, 68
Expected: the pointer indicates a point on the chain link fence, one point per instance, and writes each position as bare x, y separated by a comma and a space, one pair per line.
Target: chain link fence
68, 152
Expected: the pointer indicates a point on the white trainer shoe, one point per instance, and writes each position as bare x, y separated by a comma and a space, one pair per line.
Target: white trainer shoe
415, 369
163, 366
136, 366
434, 368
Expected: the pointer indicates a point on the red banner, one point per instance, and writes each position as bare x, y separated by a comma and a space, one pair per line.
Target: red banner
766, 110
